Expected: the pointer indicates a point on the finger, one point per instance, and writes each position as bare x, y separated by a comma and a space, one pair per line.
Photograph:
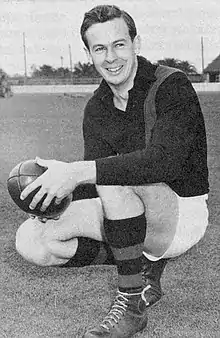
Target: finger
46, 202
42, 219
31, 187
58, 200
60, 196
56, 218
37, 198
37, 158
48, 218
41, 162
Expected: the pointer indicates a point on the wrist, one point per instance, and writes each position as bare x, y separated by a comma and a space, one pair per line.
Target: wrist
84, 172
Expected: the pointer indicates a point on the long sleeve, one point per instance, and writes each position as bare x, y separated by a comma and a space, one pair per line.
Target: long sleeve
94, 145
173, 139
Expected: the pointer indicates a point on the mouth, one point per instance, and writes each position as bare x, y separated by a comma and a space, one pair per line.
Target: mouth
114, 70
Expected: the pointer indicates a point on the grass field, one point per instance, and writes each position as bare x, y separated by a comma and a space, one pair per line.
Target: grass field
54, 302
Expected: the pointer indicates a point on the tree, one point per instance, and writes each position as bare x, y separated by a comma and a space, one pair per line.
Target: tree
85, 70
80, 70
43, 71
5, 86
185, 66
188, 68
62, 72
2, 72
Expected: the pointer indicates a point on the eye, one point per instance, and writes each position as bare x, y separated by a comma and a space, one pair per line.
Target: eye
99, 49
119, 45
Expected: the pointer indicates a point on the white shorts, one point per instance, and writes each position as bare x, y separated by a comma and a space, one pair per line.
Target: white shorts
191, 225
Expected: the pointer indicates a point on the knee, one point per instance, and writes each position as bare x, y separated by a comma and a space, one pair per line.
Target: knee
114, 192
29, 245
120, 201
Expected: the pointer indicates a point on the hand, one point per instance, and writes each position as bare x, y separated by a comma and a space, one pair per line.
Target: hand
43, 219
57, 181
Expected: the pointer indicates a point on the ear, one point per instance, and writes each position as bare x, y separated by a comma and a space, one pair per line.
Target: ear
137, 44
88, 55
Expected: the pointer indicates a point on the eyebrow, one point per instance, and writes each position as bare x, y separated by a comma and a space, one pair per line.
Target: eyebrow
114, 42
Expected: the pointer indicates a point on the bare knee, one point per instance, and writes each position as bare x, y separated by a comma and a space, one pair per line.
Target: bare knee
29, 245
120, 201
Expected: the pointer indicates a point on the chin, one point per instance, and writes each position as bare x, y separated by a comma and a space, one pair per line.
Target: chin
117, 81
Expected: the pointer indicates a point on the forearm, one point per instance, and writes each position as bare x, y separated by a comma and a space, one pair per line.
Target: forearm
138, 168
161, 161
83, 172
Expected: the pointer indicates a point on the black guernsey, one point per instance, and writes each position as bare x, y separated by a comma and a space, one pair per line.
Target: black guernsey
176, 153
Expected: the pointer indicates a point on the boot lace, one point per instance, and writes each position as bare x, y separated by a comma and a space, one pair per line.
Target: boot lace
118, 309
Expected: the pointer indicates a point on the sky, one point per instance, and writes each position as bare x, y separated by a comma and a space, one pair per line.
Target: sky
168, 28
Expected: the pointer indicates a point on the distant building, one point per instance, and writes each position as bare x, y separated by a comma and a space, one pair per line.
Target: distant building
195, 78
212, 71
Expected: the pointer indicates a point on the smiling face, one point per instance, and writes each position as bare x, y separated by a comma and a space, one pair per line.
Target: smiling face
113, 52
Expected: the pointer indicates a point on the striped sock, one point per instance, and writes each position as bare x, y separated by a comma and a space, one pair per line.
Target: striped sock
90, 252
126, 239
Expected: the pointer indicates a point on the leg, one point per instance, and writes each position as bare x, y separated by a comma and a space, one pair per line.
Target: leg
85, 218
56, 242
125, 204
162, 213
34, 244
125, 231
175, 224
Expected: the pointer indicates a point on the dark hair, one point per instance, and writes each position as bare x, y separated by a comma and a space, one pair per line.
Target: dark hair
103, 13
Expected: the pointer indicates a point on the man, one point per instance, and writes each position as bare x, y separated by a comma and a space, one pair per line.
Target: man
145, 159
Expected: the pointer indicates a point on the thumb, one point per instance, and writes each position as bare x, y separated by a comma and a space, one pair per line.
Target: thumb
41, 162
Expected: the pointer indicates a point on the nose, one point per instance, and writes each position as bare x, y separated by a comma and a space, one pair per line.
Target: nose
110, 55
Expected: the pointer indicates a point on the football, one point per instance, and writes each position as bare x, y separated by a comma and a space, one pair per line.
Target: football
20, 177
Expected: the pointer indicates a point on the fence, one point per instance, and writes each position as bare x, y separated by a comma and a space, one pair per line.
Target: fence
54, 89
53, 81
90, 88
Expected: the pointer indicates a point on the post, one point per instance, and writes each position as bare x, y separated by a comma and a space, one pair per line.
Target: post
61, 58
25, 58
202, 51
71, 63
70, 56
